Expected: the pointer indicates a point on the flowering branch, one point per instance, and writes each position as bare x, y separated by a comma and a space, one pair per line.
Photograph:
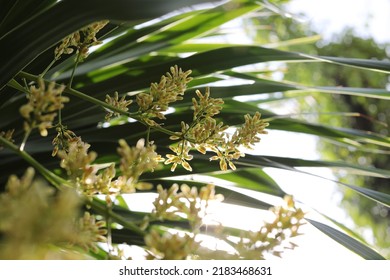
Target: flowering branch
62, 184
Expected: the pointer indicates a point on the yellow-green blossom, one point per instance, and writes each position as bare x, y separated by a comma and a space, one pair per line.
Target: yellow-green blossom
170, 246
170, 89
43, 104
121, 104
80, 40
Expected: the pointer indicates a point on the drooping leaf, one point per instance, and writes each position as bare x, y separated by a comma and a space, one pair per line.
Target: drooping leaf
347, 241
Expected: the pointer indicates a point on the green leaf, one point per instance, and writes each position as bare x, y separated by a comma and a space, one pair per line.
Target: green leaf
285, 86
366, 92
347, 241
26, 45
371, 64
175, 33
380, 197
254, 161
251, 179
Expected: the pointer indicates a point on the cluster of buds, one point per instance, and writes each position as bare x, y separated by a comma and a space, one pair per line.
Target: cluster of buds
90, 232
197, 202
205, 133
134, 162
246, 135
207, 106
38, 223
7, 135
121, 104
62, 139
77, 161
168, 205
80, 41
169, 246
92, 179
190, 202
43, 104
77, 158
170, 89
272, 235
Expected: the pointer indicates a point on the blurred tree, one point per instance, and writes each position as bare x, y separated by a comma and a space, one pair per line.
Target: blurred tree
371, 115
374, 116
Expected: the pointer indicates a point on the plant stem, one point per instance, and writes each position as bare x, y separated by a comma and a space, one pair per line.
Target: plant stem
100, 103
47, 68
14, 84
74, 69
24, 141
109, 232
57, 181
108, 222
101, 208
148, 137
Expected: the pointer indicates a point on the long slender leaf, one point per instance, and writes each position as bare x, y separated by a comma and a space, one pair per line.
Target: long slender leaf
366, 92
374, 65
252, 179
347, 241
188, 28
26, 45
254, 161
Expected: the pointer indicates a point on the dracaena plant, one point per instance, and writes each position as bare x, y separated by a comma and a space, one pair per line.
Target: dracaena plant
109, 105
84, 180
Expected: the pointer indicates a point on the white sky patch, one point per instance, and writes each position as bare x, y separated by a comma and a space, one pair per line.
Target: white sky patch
369, 18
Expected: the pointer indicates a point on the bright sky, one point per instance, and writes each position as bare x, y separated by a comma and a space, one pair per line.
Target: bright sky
370, 18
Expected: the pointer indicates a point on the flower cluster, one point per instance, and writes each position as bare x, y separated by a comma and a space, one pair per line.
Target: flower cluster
207, 106
62, 139
7, 135
134, 162
90, 232
37, 223
206, 133
271, 237
168, 206
198, 201
169, 246
92, 179
246, 135
181, 156
80, 41
191, 202
171, 88
43, 104
77, 161
121, 104
77, 158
